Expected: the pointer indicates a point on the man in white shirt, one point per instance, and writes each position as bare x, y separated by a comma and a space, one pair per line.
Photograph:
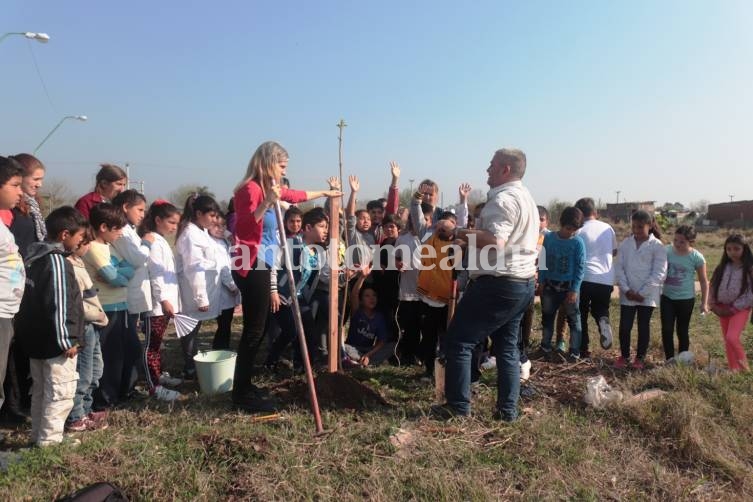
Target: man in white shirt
598, 283
502, 264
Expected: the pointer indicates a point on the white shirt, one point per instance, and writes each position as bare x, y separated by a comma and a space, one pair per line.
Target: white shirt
132, 249
642, 270
600, 241
511, 215
12, 274
229, 294
163, 276
411, 266
197, 273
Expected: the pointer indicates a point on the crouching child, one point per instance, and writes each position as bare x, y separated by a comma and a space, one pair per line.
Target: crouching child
52, 316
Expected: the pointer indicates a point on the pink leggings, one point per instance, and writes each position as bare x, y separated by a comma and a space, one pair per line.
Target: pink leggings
732, 330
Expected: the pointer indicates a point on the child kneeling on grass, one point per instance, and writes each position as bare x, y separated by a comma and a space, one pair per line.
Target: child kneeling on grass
367, 343
52, 316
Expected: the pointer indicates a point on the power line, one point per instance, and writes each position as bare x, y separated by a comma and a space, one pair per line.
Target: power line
41, 79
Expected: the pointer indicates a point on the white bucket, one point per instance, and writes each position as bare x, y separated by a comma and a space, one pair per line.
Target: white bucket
215, 370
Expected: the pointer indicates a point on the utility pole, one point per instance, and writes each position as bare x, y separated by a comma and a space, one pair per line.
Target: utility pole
731, 198
618, 192
411, 186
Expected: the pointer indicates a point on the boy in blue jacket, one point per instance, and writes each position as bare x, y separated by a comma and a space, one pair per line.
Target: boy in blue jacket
562, 265
52, 317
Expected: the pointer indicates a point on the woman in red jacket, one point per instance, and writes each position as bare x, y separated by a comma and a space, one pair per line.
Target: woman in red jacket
110, 181
254, 196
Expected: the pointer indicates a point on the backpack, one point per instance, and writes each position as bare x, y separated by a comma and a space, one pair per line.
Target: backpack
98, 492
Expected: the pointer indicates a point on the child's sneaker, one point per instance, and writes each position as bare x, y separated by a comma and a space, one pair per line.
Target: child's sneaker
170, 381
561, 347
605, 333
164, 394
489, 364
573, 358
80, 425
98, 416
525, 371
638, 364
620, 363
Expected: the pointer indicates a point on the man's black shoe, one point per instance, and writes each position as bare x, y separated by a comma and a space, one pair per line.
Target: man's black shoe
445, 412
255, 405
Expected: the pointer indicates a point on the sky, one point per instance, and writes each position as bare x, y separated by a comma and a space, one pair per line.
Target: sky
649, 98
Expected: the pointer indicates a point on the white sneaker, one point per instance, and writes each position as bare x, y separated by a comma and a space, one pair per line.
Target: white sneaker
168, 395
489, 364
525, 371
170, 381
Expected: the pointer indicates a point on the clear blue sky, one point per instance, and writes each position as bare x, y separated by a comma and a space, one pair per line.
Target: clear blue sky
652, 98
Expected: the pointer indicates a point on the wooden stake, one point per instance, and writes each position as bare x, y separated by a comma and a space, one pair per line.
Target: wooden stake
336, 317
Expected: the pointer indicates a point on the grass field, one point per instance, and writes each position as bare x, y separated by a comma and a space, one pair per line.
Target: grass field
694, 443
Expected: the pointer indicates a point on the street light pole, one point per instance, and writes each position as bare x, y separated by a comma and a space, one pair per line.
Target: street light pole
82, 118
411, 186
42, 38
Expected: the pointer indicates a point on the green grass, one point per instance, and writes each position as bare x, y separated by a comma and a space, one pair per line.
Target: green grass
694, 443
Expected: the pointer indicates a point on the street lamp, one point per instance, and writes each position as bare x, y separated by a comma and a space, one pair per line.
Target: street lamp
42, 38
82, 118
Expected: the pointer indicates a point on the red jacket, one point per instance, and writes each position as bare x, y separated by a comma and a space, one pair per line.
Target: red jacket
87, 202
247, 230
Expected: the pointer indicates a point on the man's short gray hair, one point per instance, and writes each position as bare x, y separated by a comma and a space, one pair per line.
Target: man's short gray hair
513, 157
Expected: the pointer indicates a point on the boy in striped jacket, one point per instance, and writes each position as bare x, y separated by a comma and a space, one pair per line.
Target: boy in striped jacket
52, 316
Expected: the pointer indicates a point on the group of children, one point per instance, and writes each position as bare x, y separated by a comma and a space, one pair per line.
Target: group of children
76, 295
649, 274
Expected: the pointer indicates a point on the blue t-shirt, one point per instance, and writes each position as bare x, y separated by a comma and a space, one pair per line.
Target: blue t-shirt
565, 260
681, 272
270, 239
364, 332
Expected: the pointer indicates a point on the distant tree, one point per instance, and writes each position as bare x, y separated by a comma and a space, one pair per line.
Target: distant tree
181, 194
555, 209
476, 197
700, 206
55, 193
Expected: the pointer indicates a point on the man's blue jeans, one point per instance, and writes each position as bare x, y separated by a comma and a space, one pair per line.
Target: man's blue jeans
492, 307
89, 368
551, 299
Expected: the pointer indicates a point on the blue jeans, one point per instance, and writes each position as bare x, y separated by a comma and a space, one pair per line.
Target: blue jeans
492, 307
89, 368
551, 300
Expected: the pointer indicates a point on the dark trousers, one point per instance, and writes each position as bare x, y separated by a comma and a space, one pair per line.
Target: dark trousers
491, 307
433, 328
189, 346
224, 330
594, 300
409, 317
120, 355
675, 313
289, 334
17, 383
254, 290
627, 318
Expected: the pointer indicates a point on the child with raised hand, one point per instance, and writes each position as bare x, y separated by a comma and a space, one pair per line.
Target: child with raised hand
684, 263
358, 227
161, 222
110, 274
731, 297
199, 282
564, 255
640, 271
89, 365
52, 318
367, 342
229, 294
